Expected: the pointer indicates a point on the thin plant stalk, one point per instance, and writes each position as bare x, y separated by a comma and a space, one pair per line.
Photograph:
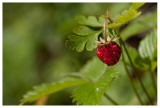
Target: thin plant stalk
153, 80
151, 72
104, 26
131, 81
110, 99
139, 79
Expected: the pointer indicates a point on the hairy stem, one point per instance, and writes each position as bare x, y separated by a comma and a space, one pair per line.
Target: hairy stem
153, 82
104, 28
131, 81
153, 79
110, 99
106, 23
139, 78
151, 72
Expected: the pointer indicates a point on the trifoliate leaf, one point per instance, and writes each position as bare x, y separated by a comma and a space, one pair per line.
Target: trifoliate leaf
47, 89
129, 15
93, 69
83, 36
148, 46
91, 93
142, 23
90, 21
137, 5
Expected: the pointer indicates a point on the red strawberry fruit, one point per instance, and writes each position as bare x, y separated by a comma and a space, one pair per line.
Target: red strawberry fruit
109, 53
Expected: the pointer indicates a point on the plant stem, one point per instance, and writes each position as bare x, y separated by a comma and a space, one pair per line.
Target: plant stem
104, 28
131, 81
151, 72
110, 99
153, 82
139, 79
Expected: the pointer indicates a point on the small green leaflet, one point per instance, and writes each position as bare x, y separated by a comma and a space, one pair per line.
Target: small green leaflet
47, 89
84, 36
142, 23
137, 5
90, 21
129, 15
148, 46
91, 93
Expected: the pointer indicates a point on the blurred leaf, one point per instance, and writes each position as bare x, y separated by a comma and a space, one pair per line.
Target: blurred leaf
93, 69
137, 60
90, 21
146, 22
153, 65
148, 45
148, 49
83, 36
129, 15
115, 13
91, 93
57, 68
120, 88
47, 89
137, 5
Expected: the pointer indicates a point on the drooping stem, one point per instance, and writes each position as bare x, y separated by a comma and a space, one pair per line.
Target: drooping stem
139, 79
104, 26
153, 82
130, 79
110, 99
153, 79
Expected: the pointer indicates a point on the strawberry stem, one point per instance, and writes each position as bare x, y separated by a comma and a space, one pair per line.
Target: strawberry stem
139, 79
130, 78
111, 100
104, 27
151, 72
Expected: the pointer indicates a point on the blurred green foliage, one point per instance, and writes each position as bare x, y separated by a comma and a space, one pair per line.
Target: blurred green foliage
34, 50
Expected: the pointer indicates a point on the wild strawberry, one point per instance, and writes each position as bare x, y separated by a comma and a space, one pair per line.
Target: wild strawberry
109, 53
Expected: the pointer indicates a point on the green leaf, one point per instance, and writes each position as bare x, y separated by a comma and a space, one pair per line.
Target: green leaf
115, 13
83, 36
142, 23
148, 45
47, 89
137, 5
137, 60
93, 69
85, 95
90, 21
129, 15
91, 93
